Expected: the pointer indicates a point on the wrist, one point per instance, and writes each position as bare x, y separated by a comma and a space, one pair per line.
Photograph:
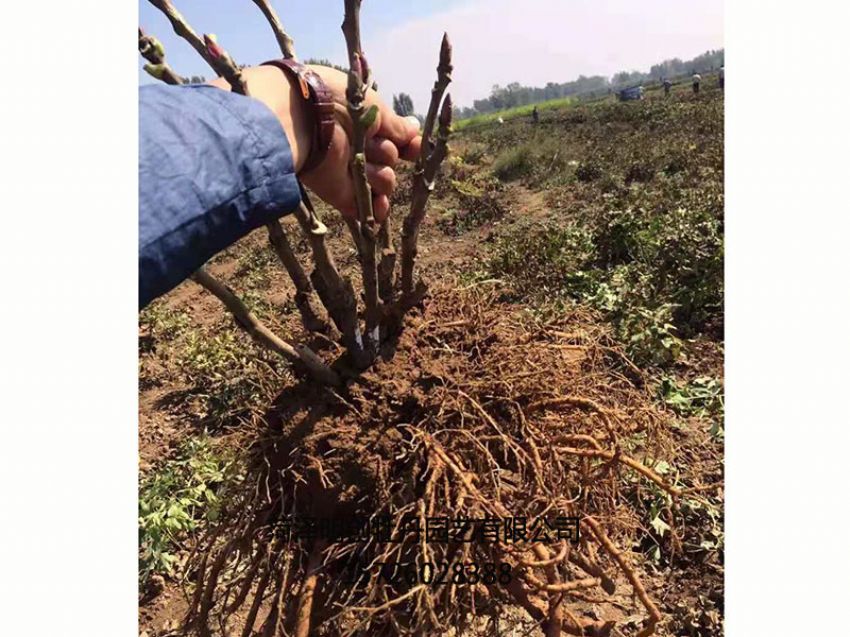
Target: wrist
297, 122
308, 89
283, 98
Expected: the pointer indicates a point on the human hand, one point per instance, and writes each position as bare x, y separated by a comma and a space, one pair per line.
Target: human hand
390, 138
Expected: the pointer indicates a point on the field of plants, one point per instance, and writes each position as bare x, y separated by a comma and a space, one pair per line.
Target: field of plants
568, 358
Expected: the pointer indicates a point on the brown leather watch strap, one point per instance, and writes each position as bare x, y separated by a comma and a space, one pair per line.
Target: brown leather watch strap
316, 93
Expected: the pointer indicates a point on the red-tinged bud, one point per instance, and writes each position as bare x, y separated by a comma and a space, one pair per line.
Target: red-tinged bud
365, 67
357, 67
446, 52
446, 113
212, 46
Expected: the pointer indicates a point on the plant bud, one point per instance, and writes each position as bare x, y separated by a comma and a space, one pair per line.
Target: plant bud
446, 53
446, 114
158, 48
212, 46
369, 117
155, 70
365, 70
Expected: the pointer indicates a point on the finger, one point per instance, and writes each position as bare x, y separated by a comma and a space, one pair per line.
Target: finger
381, 178
414, 121
381, 207
399, 130
381, 151
349, 211
412, 150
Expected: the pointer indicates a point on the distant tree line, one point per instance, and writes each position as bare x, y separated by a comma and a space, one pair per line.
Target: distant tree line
403, 104
326, 62
514, 94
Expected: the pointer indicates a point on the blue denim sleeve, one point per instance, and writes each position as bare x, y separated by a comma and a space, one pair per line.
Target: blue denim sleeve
213, 166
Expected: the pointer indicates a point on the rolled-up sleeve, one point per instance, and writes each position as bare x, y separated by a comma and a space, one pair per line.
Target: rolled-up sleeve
213, 166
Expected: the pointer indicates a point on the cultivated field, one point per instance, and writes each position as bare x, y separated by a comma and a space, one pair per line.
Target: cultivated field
575, 318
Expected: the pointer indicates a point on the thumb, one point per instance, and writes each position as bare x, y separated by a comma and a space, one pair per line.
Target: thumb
399, 130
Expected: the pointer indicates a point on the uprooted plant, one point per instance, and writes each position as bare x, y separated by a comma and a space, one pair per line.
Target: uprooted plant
386, 299
487, 417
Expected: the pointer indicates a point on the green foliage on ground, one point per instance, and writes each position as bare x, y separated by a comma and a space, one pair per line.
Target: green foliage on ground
163, 322
654, 278
515, 94
511, 113
701, 396
635, 228
471, 197
178, 498
228, 373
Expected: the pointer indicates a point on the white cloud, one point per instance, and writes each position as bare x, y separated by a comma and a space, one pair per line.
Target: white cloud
538, 41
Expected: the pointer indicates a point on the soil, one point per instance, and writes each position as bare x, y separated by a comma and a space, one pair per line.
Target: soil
467, 340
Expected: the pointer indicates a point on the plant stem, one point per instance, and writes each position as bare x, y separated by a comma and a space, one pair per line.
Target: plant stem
207, 48
429, 161
152, 50
303, 288
287, 46
223, 64
261, 334
335, 292
359, 79
386, 266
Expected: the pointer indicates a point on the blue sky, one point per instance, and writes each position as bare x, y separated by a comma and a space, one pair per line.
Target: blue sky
495, 41
242, 30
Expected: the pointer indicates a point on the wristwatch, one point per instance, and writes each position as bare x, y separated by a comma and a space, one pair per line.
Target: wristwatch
320, 104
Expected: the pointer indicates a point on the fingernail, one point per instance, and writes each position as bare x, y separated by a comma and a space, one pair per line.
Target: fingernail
412, 123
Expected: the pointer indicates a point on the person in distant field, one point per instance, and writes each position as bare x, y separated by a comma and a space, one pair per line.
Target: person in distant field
535, 115
696, 79
720, 79
667, 86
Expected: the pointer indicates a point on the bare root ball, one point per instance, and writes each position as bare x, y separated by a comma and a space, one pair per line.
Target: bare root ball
485, 413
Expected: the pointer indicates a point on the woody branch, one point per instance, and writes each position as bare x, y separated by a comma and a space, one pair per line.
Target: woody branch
335, 292
287, 46
430, 158
224, 65
153, 51
359, 79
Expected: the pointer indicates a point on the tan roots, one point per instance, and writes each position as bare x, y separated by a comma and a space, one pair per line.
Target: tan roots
461, 424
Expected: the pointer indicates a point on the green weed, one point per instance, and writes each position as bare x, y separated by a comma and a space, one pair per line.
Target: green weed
514, 163
163, 322
178, 499
229, 374
702, 396
511, 113
546, 263
473, 211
